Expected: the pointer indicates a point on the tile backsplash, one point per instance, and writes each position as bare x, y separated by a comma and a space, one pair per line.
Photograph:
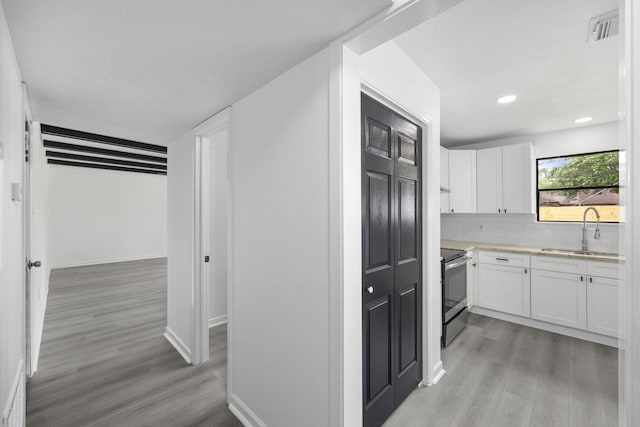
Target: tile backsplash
523, 229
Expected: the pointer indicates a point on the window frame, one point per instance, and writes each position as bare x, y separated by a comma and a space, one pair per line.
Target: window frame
571, 188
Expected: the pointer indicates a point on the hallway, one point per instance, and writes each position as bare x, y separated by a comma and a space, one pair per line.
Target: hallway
104, 360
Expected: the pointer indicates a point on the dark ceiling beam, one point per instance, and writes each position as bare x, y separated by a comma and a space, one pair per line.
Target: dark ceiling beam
106, 167
103, 151
120, 162
93, 137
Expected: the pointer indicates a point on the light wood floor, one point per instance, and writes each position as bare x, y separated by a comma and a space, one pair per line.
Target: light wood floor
504, 375
105, 362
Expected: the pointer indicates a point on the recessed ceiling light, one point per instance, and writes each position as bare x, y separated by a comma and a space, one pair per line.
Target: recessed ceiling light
506, 99
583, 119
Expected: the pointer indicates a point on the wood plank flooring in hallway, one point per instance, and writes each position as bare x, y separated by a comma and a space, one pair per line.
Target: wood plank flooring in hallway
105, 362
500, 374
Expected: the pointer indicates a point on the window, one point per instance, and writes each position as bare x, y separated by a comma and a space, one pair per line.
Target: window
568, 185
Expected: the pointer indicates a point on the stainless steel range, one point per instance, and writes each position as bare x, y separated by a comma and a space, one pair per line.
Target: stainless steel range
454, 293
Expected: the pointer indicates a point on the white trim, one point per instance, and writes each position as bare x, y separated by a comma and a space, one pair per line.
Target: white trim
178, 344
107, 261
201, 245
230, 259
629, 359
379, 95
345, 239
201, 270
17, 398
336, 243
550, 327
246, 416
218, 122
215, 321
438, 373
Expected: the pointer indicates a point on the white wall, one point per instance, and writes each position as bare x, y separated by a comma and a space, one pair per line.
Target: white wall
584, 139
390, 71
180, 234
279, 172
524, 229
99, 216
218, 206
11, 256
39, 246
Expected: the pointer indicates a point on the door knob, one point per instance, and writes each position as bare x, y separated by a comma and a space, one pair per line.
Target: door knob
370, 289
32, 264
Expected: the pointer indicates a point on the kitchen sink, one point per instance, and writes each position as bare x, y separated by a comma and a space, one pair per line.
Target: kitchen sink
577, 252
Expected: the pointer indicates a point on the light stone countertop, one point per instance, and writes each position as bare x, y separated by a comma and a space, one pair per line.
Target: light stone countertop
468, 246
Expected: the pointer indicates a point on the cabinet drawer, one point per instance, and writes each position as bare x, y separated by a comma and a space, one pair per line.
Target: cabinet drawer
604, 269
504, 258
562, 265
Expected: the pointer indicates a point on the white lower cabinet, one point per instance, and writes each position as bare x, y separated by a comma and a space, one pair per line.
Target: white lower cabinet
563, 291
602, 305
559, 298
504, 288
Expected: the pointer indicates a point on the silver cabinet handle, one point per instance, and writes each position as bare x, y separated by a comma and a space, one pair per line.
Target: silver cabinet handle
370, 289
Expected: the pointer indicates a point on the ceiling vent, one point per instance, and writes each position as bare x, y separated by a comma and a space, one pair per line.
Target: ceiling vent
604, 26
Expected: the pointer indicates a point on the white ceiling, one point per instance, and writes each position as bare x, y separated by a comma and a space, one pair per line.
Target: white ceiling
150, 70
483, 49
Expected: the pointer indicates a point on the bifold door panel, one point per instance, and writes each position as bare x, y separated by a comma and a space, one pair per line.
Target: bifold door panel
391, 246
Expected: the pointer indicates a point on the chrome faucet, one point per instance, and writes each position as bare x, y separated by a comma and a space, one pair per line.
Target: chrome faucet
596, 234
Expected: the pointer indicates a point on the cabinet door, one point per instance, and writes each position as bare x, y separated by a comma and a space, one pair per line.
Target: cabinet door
444, 179
462, 181
559, 298
602, 305
504, 288
489, 181
517, 190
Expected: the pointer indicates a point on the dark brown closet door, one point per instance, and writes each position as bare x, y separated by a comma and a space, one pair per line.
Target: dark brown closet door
391, 246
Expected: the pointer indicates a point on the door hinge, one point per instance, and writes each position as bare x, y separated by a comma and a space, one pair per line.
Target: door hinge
27, 146
206, 258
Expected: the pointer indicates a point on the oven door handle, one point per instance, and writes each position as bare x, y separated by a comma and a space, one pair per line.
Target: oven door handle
465, 259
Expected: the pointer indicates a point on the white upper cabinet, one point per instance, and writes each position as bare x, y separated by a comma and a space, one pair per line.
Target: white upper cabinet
444, 179
462, 181
505, 179
517, 191
489, 164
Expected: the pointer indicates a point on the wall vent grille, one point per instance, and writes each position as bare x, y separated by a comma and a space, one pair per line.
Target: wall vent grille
604, 26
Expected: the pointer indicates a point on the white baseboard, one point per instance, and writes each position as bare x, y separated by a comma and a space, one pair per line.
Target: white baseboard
438, 373
178, 344
246, 416
550, 327
215, 321
106, 261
